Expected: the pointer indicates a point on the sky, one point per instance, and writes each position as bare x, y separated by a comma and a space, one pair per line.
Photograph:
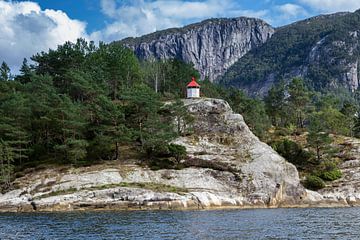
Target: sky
28, 27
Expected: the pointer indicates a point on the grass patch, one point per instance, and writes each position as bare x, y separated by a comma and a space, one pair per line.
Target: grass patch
156, 187
149, 186
57, 193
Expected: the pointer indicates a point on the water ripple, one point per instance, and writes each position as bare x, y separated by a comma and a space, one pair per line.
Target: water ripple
330, 223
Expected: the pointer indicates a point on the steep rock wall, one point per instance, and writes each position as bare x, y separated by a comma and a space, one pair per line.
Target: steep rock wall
212, 45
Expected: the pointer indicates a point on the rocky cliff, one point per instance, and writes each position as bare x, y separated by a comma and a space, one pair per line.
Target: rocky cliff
233, 169
212, 45
323, 50
230, 167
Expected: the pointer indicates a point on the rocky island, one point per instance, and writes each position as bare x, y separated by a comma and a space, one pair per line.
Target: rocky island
241, 172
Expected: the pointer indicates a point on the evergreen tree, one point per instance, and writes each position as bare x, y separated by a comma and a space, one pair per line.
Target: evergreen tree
349, 110
108, 128
69, 139
122, 68
25, 72
6, 164
298, 100
275, 104
181, 116
356, 128
318, 138
4, 72
253, 111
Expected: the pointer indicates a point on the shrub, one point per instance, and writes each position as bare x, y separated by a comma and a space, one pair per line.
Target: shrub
331, 175
167, 157
292, 151
282, 132
161, 163
314, 182
177, 151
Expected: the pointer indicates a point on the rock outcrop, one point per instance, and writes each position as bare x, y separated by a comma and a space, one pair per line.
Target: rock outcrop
254, 175
347, 188
212, 45
230, 167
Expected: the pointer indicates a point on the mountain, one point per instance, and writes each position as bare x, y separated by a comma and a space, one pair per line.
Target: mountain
324, 50
212, 45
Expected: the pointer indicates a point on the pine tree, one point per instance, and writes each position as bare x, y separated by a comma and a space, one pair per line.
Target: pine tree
298, 100
182, 118
108, 128
349, 110
356, 128
25, 72
318, 138
70, 141
6, 164
4, 72
275, 104
14, 125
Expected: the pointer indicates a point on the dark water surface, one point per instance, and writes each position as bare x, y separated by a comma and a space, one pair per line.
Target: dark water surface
326, 223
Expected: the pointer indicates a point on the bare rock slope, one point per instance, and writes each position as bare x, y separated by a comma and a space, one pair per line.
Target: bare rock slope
212, 45
253, 175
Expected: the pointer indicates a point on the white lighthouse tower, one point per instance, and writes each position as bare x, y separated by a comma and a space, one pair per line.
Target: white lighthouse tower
193, 89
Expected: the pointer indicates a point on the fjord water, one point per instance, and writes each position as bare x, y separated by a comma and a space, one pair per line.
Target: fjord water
325, 223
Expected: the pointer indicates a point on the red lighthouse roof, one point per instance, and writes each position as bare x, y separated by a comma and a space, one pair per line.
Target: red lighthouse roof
193, 83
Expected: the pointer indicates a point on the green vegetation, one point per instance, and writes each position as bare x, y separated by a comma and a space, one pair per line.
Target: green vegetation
80, 104
150, 186
319, 48
331, 175
293, 152
314, 183
6, 164
307, 126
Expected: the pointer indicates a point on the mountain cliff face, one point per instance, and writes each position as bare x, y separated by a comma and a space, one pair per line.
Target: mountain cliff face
323, 50
212, 45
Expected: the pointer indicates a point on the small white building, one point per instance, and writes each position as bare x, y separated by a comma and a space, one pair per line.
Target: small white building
193, 89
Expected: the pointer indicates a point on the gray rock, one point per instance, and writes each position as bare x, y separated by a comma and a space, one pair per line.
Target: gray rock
253, 175
212, 45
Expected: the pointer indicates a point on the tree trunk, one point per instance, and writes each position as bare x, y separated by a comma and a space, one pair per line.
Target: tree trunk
116, 151
156, 82
318, 153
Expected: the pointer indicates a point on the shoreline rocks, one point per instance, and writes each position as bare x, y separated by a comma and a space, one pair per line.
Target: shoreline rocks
254, 176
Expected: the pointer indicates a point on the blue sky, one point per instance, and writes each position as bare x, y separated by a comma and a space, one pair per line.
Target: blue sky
27, 27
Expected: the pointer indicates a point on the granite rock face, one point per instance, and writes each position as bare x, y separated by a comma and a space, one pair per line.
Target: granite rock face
230, 167
212, 45
220, 135
253, 175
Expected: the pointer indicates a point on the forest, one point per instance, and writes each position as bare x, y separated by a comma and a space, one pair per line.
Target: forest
81, 104
294, 46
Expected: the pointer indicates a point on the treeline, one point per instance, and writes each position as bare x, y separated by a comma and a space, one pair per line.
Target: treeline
294, 106
314, 119
83, 103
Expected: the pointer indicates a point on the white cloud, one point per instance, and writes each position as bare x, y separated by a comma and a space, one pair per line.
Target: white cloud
27, 29
327, 6
138, 17
291, 10
287, 13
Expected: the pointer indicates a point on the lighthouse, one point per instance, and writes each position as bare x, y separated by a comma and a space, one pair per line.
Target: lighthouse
193, 89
